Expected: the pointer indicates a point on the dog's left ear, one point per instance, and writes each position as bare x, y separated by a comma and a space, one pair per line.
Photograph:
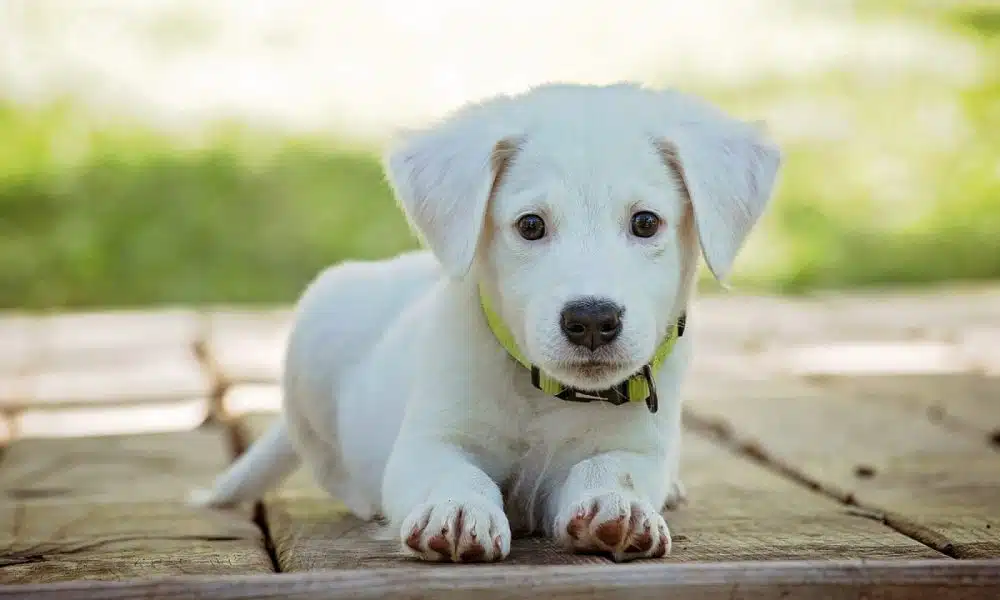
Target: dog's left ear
728, 169
443, 177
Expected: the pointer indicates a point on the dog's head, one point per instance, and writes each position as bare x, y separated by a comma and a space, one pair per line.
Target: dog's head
580, 210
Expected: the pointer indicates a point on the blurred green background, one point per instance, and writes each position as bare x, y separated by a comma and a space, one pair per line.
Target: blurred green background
890, 178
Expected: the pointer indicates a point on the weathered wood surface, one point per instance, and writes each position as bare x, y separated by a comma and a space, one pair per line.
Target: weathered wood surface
738, 511
876, 451
829, 428
950, 314
100, 373
114, 508
962, 401
246, 346
804, 580
30, 343
134, 377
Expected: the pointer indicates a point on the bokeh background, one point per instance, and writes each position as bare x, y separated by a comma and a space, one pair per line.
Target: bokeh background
156, 153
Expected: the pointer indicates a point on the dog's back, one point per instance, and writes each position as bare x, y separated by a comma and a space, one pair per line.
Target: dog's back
339, 319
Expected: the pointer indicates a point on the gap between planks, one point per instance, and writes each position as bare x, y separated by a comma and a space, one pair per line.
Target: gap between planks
732, 517
238, 445
721, 434
238, 442
114, 508
888, 463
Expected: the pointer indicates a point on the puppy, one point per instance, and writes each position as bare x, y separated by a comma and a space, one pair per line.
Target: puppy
522, 373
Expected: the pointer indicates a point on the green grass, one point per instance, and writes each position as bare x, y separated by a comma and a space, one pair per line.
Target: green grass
98, 215
134, 220
900, 198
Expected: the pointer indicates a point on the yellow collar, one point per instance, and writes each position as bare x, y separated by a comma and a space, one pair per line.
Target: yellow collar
640, 387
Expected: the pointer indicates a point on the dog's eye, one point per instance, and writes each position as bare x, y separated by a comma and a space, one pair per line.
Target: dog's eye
531, 227
645, 224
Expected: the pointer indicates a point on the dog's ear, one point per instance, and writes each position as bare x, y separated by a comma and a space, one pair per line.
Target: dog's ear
443, 177
728, 169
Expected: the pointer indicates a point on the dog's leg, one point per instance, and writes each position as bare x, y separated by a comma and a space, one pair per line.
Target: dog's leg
610, 503
676, 493
449, 508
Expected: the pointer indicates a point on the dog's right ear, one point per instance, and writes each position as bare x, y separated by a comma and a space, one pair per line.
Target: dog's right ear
443, 178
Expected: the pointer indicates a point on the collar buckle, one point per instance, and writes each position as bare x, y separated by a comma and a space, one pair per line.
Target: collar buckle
616, 395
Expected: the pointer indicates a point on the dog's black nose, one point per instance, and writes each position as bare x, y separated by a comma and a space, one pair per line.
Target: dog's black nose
591, 322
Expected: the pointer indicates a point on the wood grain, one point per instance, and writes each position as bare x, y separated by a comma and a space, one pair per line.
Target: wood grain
247, 346
877, 450
139, 376
795, 455
965, 401
742, 320
114, 508
805, 580
17, 335
104, 420
738, 511
61, 340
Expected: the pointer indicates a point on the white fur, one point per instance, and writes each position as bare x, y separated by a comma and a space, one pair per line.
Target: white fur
397, 394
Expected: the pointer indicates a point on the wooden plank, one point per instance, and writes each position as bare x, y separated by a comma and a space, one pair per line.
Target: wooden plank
966, 401
245, 399
135, 377
246, 346
738, 511
67, 339
741, 320
105, 337
829, 580
981, 346
17, 339
114, 508
935, 484
100, 420
310, 530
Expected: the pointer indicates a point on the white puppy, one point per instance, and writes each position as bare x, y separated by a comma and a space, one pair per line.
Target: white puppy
563, 228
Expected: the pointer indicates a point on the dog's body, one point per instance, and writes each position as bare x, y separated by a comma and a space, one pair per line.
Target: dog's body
397, 392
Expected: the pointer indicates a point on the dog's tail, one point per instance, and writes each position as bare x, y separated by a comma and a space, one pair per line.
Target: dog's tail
264, 465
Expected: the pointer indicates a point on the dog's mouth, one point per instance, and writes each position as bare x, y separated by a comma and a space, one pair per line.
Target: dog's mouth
592, 364
592, 374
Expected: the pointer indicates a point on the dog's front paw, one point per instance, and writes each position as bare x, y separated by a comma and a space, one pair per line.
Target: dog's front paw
621, 525
457, 531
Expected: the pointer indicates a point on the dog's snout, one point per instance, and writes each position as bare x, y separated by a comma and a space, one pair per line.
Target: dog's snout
591, 322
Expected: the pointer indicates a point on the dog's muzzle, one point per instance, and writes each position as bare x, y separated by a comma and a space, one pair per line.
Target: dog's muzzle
639, 387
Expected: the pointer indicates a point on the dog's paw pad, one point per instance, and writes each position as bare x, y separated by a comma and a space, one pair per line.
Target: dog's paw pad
457, 532
624, 527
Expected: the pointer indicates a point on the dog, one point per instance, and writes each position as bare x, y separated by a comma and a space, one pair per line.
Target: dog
522, 372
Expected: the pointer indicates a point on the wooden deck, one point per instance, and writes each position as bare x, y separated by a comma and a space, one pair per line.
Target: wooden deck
836, 447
